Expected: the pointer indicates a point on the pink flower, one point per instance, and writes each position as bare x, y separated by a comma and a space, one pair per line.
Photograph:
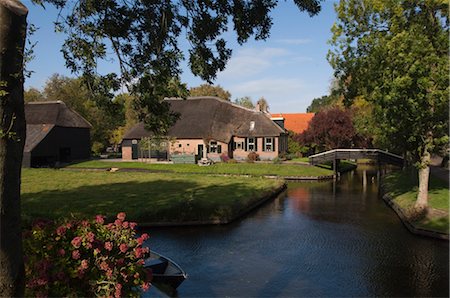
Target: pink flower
60, 231
133, 225
85, 223
108, 246
138, 252
109, 273
104, 266
123, 248
125, 224
145, 286
141, 239
84, 264
118, 222
99, 219
118, 292
61, 252
121, 216
76, 242
76, 254
90, 236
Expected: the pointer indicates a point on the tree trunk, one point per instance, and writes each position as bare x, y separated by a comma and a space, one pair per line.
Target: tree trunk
424, 176
12, 138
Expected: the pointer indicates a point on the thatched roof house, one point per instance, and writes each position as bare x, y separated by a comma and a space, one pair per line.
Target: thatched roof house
55, 134
221, 126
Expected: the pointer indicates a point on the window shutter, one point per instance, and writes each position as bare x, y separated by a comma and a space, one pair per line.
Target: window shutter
273, 146
207, 148
256, 144
219, 148
245, 147
264, 144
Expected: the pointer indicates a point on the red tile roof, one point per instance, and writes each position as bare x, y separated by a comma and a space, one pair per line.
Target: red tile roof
297, 122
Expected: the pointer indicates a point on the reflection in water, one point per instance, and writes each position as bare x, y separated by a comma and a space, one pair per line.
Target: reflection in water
333, 238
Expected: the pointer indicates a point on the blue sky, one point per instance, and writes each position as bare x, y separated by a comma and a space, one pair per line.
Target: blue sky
289, 69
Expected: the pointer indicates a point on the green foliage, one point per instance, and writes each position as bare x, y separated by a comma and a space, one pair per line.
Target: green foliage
85, 259
145, 36
395, 55
105, 115
245, 102
321, 103
210, 90
33, 94
97, 148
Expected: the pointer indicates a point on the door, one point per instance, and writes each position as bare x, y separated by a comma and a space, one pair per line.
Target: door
200, 151
134, 149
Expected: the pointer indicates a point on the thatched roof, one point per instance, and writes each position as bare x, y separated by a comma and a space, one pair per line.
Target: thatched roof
213, 118
54, 112
35, 134
41, 117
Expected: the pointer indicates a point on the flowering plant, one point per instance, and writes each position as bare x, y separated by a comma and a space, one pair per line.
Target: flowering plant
85, 258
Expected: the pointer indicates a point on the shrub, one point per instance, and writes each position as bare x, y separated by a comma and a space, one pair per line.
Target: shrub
224, 157
277, 160
232, 160
85, 258
252, 157
97, 148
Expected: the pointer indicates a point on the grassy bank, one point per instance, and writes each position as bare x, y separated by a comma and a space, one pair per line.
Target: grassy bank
254, 169
402, 187
145, 197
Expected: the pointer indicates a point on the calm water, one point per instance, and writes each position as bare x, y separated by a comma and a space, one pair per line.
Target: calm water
316, 239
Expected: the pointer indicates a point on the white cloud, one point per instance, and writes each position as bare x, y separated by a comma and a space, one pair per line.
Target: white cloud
251, 61
294, 41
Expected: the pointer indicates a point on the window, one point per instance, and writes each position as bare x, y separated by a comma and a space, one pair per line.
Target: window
213, 147
251, 144
268, 144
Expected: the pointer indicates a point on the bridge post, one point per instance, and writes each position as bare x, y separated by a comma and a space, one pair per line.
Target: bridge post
336, 166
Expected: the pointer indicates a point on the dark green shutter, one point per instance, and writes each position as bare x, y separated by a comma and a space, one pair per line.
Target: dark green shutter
264, 144
256, 144
273, 145
219, 148
245, 144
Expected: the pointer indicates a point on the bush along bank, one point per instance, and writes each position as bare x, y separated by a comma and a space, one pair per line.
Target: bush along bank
399, 191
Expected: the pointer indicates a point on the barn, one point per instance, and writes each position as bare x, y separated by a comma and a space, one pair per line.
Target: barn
55, 135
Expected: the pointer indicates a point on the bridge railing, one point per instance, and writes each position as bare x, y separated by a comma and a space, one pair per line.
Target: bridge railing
376, 154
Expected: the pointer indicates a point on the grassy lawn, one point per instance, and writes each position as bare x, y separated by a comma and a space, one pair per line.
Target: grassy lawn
145, 197
403, 188
255, 169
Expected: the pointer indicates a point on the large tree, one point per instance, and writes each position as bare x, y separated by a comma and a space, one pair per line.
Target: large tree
245, 102
12, 139
331, 129
210, 90
145, 35
394, 53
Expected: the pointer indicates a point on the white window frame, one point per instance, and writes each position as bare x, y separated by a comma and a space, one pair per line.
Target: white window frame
213, 147
269, 142
253, 143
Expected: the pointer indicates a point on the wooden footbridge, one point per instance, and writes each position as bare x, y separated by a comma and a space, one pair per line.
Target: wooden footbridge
382, 157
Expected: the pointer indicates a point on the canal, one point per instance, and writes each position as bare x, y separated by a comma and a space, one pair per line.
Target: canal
316, 239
